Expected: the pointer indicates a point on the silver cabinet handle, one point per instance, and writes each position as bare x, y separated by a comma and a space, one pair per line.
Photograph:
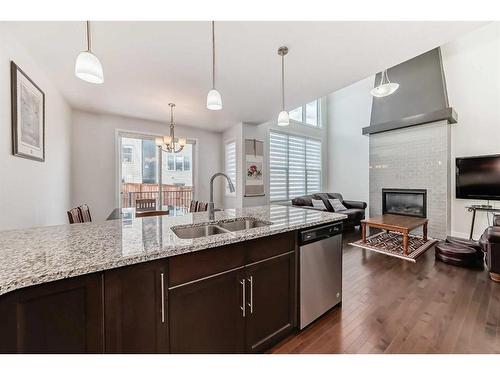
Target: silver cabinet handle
250, 280
162, 280
243, 307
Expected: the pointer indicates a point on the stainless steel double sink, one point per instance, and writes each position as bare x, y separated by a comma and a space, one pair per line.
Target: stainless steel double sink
218, 227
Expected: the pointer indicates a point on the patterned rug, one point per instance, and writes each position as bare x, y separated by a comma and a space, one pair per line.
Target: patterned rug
391, 243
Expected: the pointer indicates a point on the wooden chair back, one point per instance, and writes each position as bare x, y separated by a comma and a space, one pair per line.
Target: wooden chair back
193, 206
85, 213
74, 216
202, 206
79, 214
146, 204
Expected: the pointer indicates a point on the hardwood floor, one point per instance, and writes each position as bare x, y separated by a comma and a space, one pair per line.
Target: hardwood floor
394, 306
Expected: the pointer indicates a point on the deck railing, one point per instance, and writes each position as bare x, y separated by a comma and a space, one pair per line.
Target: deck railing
176, 198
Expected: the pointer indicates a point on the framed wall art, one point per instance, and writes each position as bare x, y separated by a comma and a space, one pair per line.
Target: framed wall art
28, 116
254, 161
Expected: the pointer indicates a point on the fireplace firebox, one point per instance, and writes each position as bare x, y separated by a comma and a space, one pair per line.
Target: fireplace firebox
409, 202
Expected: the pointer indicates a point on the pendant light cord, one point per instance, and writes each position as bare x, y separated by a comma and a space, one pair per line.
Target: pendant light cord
283, 82
213, 55
88, 37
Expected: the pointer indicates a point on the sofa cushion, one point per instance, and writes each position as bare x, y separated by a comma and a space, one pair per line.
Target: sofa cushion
324, 197
318, 203
337, 205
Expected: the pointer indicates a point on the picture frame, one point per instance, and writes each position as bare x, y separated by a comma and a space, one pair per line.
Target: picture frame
254, 162
28, 116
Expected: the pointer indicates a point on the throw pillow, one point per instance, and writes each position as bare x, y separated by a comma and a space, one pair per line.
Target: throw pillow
337, 205
318, 203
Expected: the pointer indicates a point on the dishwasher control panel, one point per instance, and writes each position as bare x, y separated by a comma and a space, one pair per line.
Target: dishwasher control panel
318, 233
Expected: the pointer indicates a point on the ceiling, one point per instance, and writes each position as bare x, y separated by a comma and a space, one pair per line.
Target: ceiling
149, 64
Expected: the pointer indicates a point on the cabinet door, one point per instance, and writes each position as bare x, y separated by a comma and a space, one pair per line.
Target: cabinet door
206, 316
271, 301
59, 317
136, 308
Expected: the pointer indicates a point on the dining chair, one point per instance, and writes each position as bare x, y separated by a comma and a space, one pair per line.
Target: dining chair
74, 216
193, 206
85, 213
80, 214
202, 206
145, 204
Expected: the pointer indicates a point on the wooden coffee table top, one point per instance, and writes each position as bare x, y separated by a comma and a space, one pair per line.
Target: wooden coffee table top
396, 222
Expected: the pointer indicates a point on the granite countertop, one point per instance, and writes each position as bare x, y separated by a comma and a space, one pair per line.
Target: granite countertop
39, 255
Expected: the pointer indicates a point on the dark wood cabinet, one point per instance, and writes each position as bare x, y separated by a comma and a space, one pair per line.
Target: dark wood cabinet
271, 312
136, 308
57, 317
206, 316
245, 309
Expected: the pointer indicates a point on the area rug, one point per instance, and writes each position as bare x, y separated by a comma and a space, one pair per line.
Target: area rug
391, 243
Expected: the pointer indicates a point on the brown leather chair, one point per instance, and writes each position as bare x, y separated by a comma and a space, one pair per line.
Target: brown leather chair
490, 243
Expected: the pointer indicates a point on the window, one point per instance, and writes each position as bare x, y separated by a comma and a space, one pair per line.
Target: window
230, 165
179, 163
127, 154
170, 163
187, 163
296, 114
295, 166
309, 114
149, 171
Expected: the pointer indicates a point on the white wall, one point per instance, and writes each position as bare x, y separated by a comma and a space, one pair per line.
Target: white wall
234, 133
33, 193
472, 70
349, 110
94, 162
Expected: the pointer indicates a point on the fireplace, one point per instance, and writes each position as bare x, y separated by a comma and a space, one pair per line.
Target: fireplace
409, 202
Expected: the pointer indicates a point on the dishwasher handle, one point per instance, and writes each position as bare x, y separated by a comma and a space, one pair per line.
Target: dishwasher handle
320, 233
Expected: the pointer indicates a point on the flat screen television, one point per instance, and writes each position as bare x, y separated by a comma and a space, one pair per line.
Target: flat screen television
478, 177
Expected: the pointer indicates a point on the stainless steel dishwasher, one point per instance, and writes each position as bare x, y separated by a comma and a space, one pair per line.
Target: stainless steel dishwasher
320, 271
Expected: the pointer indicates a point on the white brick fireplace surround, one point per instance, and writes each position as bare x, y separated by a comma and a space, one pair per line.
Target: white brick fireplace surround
417, 157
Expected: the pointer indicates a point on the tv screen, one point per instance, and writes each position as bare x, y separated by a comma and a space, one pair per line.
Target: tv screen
478, 177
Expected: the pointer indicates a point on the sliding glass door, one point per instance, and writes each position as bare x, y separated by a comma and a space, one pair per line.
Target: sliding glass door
139, 173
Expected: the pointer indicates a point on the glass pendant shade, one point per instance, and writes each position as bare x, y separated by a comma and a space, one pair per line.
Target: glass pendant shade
167, 139
159, 141
385, 87
384, 90
283, 119
182, 141
214, 100
89, 68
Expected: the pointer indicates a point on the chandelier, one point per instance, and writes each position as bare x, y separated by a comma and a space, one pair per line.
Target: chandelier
169, 143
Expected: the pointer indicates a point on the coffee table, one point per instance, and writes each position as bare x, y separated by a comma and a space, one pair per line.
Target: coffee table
397, 223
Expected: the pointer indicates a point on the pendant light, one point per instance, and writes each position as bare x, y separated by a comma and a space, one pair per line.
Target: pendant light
88, 67
169, 143
214, 100
283, 118
385, 87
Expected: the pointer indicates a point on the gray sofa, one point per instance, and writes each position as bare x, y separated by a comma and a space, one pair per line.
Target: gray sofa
355, 210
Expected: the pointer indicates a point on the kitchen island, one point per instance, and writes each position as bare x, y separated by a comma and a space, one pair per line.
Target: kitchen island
132, 285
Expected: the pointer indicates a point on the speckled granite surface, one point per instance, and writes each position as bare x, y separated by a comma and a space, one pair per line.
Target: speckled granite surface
39, 255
